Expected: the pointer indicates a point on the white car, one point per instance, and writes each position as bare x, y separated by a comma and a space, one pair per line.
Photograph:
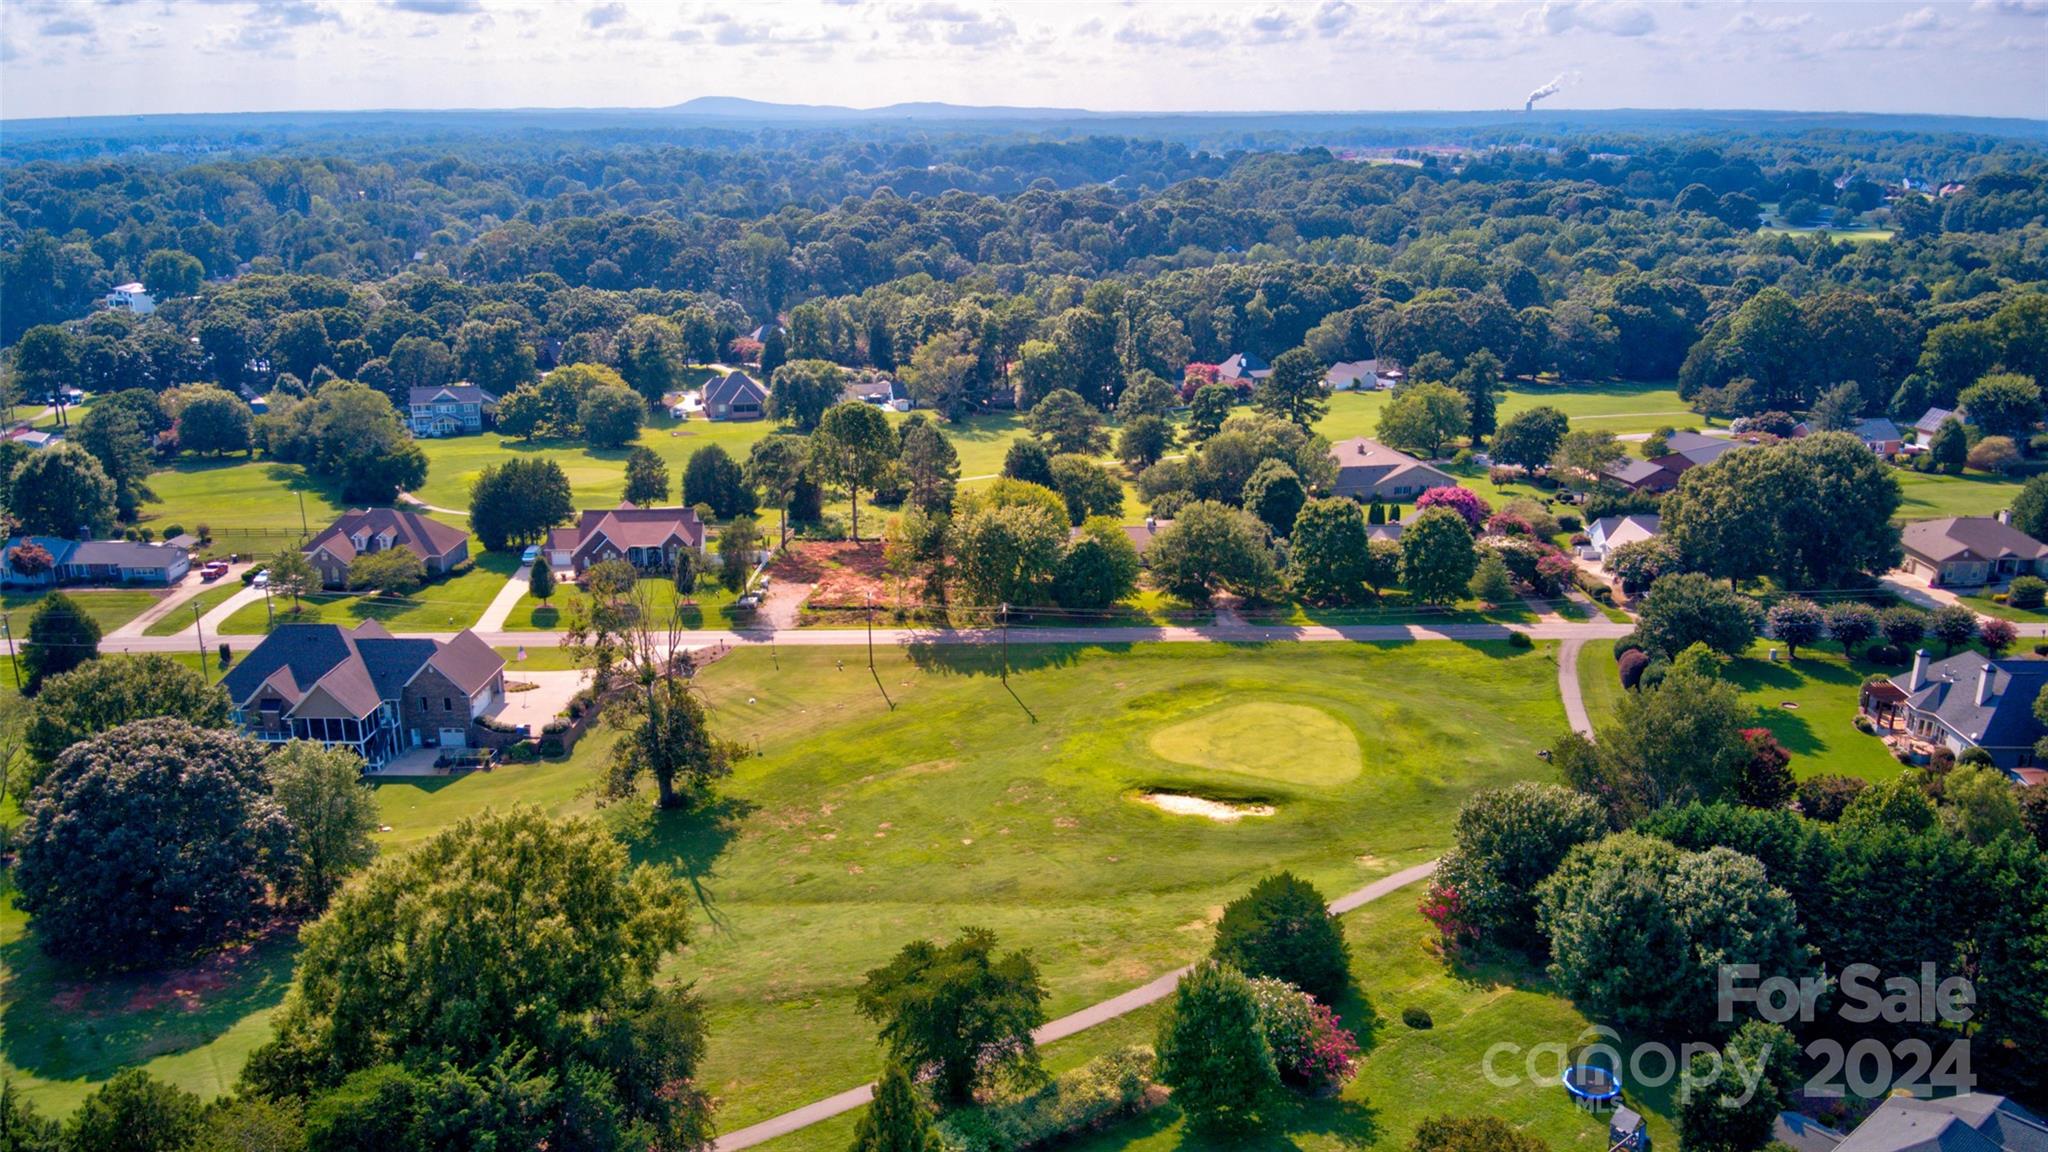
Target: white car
262, 580
531, 554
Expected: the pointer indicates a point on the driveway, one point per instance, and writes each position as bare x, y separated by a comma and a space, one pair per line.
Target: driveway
191, 586
516, 586
547, 699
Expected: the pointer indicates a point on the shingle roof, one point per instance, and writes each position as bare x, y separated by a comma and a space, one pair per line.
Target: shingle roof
1877, 428
1630, 470
1364, 464
467, 661
307, 651
1618, 530
2004, 720
1700, 448
1242, 366
122, 553
1979, 1122
327, 670
1930, 421
460, 393
629, 526
731, 387
1969, 538
426, 538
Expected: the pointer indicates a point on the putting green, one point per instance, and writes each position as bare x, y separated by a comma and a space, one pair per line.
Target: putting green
1287, 743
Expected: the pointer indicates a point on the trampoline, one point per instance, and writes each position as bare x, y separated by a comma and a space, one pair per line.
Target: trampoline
1592, 1085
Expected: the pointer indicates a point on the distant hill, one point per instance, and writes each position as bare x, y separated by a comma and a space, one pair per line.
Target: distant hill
738, 108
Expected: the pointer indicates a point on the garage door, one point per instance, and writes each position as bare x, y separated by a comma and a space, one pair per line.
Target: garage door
454, 738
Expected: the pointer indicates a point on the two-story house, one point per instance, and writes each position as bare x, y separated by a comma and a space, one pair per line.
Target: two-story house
450, 410
366, 530
364, 689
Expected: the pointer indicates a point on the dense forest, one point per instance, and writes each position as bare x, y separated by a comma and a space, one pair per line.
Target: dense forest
980, 264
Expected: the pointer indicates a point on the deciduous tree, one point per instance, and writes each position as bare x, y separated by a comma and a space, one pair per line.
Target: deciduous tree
104, 694
513, 504
960, 1008
850, 451
1437, 557
332, 815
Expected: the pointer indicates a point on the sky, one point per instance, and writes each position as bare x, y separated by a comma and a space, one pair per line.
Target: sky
123, 57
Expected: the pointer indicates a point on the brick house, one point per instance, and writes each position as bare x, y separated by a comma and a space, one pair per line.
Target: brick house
646, 538
365, 530
364, 689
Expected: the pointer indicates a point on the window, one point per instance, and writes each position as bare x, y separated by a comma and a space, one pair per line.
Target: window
447, 704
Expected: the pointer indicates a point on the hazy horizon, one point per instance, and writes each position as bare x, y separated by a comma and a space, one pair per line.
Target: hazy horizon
65, 58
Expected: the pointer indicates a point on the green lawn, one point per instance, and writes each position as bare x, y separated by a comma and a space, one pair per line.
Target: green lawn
1930, 495
1822, 687
860, 827
442, 606
251, 506
1980, 601
109, 607
711, 607
61, 1035
1616, 407
206, 602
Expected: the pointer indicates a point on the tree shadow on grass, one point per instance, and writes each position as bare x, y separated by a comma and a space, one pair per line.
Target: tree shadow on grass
1292, 1116
688, 842
60, 1024
987, 659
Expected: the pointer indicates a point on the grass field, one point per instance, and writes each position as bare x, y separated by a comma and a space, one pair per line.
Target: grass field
1405, 1075
448, 605
109, 607
858, 827
1615, 407
711, 607
1980, 601
236, 497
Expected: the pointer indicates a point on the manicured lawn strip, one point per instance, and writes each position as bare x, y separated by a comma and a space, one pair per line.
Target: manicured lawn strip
1599, 680
448, 605
856, 830
539, 658
60, 1035
206, 601
1980, 601
1820, 733
710, 607
109, 607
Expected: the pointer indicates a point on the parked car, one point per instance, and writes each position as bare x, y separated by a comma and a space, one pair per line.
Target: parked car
262, 580
531, 554
213, 570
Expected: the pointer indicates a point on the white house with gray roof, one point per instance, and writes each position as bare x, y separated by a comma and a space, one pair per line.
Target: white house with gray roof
1977, 1122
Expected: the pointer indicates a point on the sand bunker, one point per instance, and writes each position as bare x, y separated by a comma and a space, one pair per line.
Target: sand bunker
1181, 804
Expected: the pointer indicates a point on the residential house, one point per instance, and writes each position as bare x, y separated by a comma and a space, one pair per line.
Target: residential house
131, 297
880, 391
1977, 1122
1879, 435
451, 410
646, 538
1141, 535
1606, 534
1362, 375
1697, 448
364, 689
1966, 701
1369, 470
1643, 475
98, 562
1243, 369
1968, 551
36, 438
1931, 420
1390, 532
734, 396
760, 334
366, 530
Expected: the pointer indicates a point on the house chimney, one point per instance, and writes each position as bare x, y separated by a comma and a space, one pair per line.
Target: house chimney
1984, 685
1919, 679
2005, 515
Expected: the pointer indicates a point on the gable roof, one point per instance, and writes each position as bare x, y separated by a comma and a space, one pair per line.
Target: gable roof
2004, 720
1243, 365
868, 391
327, 670
1979, 1122
1364, 463
1876, 428
1969, 538
1348, 372
429, 539
733, 387
1619, 530
1931, 420
1699, 448
628, 526
458, 393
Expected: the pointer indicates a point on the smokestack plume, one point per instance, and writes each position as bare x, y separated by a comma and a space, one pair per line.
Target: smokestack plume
1548, 90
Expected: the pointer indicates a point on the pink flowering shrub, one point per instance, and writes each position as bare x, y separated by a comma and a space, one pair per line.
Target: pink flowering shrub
1310, 1046
1507, 524
1444, 908
1193, 377
1554, 573
1464, 501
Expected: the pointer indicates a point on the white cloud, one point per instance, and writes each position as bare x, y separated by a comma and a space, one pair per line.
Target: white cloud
1614, 19
439, 7
1907, 33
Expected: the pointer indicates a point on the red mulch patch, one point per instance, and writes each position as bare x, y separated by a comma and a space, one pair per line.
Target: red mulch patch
846, 574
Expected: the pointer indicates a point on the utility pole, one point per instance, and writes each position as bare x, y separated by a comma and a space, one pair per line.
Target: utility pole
7, 628
199, 631
1006, 641
304, 530
871, 631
